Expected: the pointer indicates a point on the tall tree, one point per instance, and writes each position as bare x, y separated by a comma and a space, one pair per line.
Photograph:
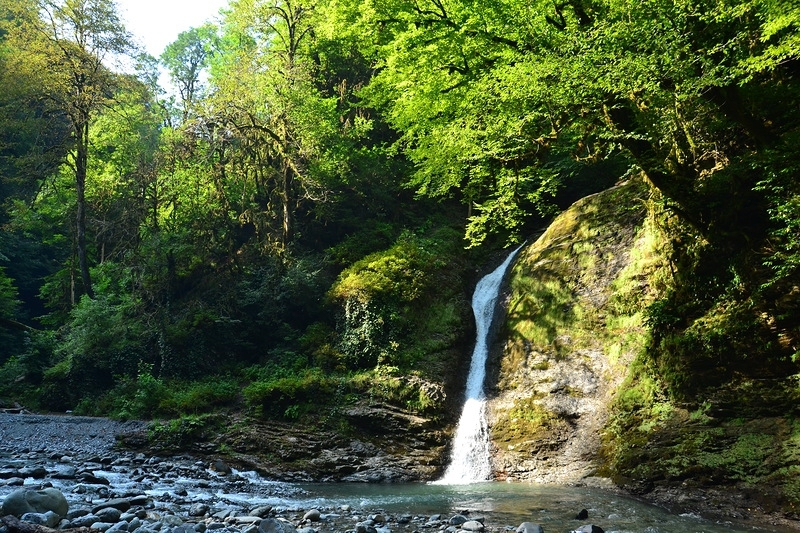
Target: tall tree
186, 58
64, 47
264, 87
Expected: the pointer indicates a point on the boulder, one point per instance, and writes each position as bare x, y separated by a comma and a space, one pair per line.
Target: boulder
273, 525
583, 515
24, 501
529, 527
312, 516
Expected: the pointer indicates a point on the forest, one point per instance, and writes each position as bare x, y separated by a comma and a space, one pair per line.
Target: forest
300, 224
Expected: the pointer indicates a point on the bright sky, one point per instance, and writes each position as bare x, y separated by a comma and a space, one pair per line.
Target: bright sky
156, 23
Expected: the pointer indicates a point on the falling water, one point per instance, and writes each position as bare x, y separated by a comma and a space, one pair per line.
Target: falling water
469, 462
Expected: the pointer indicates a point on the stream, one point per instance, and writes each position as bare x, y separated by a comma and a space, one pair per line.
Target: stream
76, 456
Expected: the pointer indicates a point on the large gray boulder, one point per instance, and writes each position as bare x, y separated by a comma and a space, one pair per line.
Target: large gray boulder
24, 501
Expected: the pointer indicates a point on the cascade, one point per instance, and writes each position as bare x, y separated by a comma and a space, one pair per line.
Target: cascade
469, 461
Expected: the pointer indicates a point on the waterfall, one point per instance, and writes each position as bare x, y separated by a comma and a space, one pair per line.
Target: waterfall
469, 461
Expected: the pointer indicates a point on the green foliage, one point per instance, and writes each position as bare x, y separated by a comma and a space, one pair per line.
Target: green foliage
147, 396
180, 432
287, 396
414, 282
386, 384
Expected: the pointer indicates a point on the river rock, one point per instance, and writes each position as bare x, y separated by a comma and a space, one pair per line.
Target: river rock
220, 466
457, 520
6, 473
273, 525
48, 519
313, 515
108, 514
119, 527
589, 528
65, 472
583, 515
83, 521
102, 526
76, 513
365, 527
472, 525
261, 511
172, 520
36, 472
24, 501
529, 527
91, 479
198, 509
120, 504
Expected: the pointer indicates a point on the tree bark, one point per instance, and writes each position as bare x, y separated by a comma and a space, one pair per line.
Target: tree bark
286, 194
81, 163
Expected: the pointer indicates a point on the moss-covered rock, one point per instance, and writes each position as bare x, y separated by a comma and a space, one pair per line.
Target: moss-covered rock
574, 323
634, 352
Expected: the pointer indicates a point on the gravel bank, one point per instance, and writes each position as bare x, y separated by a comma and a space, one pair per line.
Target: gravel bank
70, 435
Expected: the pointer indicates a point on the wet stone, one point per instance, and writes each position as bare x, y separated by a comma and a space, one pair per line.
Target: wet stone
472, 525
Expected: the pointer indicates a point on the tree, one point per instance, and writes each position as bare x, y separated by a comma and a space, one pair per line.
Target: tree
186, 58
63, 47
266, 99
499, 103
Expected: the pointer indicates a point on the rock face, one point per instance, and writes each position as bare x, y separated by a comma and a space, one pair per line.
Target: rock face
391, 445
569, 335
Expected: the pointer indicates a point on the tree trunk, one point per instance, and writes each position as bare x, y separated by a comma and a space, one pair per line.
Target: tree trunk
81, 163
286, 198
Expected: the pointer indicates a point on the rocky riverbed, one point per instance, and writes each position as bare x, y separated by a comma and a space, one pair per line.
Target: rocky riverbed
72, 464
65, 472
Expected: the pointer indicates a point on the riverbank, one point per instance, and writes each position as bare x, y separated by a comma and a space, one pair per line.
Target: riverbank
78, 456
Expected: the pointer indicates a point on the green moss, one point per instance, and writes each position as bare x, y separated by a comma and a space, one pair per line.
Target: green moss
523, 422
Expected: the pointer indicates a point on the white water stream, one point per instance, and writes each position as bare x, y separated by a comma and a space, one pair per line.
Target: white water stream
469, 461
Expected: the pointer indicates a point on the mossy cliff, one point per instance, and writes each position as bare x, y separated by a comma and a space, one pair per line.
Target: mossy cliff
592, 384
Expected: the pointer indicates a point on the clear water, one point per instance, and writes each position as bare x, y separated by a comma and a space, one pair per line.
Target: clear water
506, 505
503, 505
